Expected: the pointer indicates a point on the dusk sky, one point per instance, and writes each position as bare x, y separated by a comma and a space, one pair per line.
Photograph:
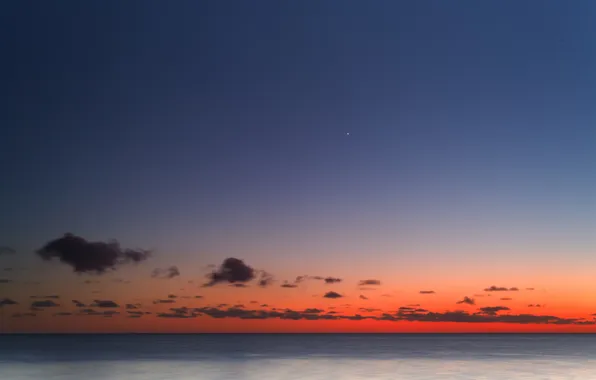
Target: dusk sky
437, 148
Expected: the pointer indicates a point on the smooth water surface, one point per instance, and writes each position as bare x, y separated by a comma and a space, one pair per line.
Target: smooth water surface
308, 356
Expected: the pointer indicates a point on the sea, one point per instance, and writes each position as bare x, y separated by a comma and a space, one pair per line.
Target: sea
298, 356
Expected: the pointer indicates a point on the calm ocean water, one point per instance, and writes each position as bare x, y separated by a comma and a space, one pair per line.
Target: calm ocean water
287, 357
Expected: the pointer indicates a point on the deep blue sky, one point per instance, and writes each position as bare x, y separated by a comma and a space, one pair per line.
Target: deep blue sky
212, 128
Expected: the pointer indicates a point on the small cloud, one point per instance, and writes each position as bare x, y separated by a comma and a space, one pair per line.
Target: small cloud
332, 280
166, 273
288, 285
24, 315
239, 285
265, 279
332, 295
78, 303
62, 314
493, 310
104, 304
130, 306
172, 296
506, 299
254, 302
43, 304
363, 297
53, 296
369, 282
198, 296
494, 288
7, 302
535, 305
164, 301
427, 292
529, 288
5, 281
467, 301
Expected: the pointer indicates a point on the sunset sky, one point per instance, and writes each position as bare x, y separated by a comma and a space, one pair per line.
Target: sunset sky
365, 165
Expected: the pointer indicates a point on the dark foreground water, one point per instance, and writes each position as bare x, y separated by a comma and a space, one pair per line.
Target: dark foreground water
286, 357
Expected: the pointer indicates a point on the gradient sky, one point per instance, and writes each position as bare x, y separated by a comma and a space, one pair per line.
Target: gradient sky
445, 146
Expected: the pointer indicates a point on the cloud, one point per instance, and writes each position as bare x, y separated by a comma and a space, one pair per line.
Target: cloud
232, 270
493, 310
494, 288
239, 285
43, 304
198, 296
369, 282
529, 288
288, 285
53, 296
4, 250
88, 282
506, 299
166, 273
312, 311
427, 292
90, 257
363, 297
332, 280
130, 306
172, 296
467, 300
535, 305
78, 303
5, 281
265, 279
163, 301
7, 302
104, 304
332, 295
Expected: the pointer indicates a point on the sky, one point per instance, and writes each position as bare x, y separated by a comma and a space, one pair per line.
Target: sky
312, 166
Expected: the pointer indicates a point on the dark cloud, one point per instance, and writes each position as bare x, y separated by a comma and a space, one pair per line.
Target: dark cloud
312, 311
7, 302
369, 282
529, 288
5, 281
467, 300
363, 297
135, 312
332, 295
427, 292
535, 305
78, 303
171, 296
332, 280
166, 273
239, 285
493, 310
232, 270
288, 285
43, 304
92, 257
506, 299
62, 314
494, 288
254, 302
4, 250
198, 296
130, 306
52, 296
164, 301
104, 304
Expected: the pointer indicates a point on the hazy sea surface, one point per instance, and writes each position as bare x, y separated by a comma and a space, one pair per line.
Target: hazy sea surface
293, 356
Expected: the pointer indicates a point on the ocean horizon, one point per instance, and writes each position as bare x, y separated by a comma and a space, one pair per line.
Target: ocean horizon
226, 356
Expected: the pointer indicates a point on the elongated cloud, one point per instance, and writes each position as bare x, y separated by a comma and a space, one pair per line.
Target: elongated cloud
7, 302
467, 301
494, 288
427, 292
5, 250
166, 273
104, 304
332, 295
369, 282
43, 304
90, 257
332, 280
493, 310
